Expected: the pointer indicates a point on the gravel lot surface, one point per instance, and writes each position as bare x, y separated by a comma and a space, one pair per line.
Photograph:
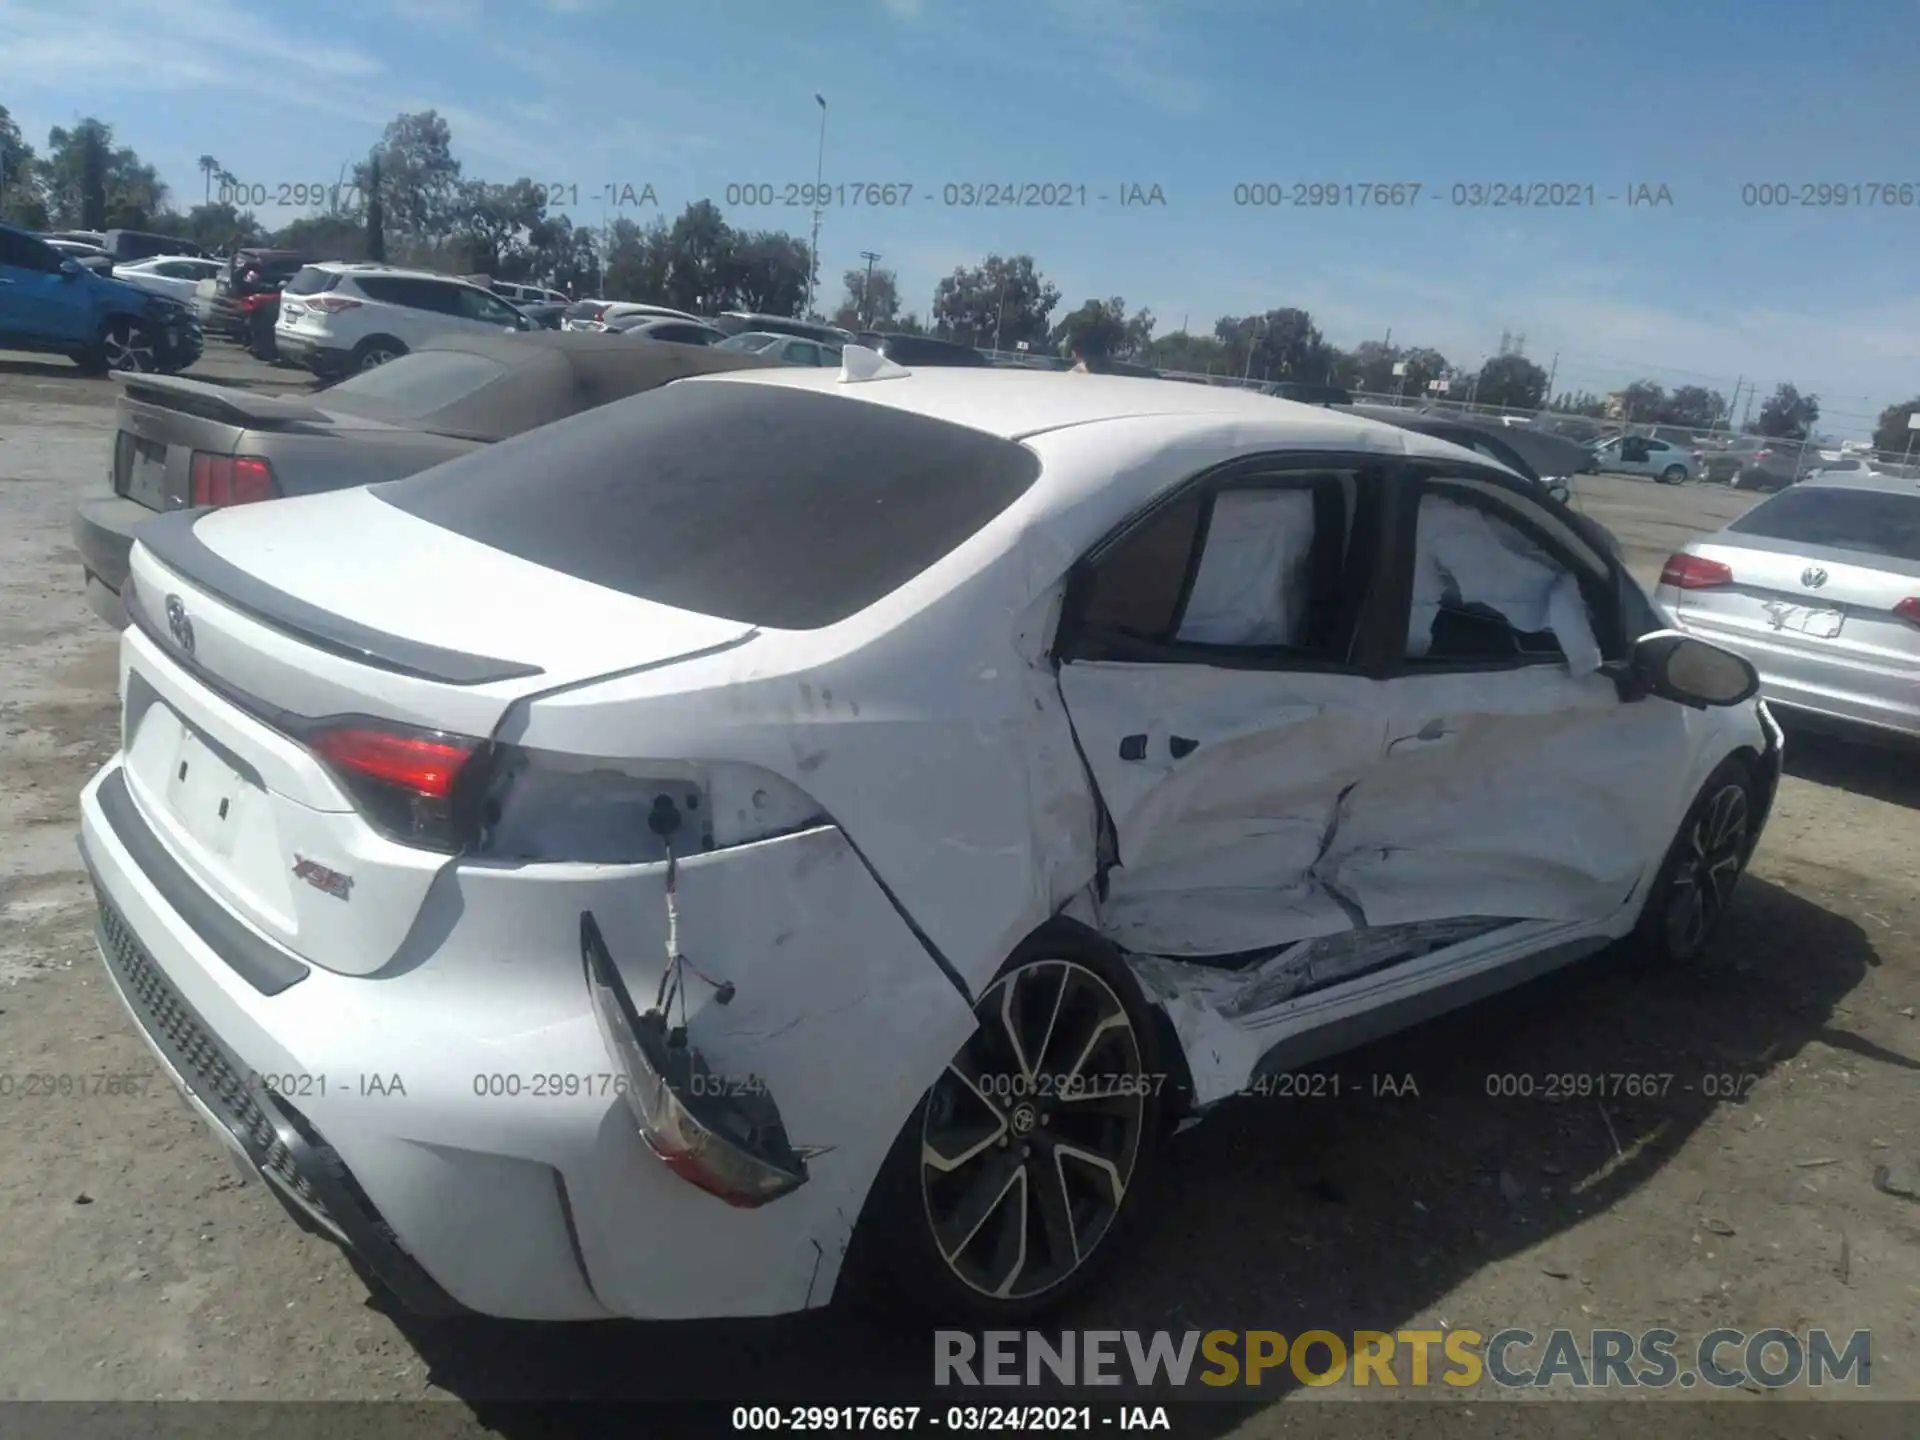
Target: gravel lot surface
138, 1267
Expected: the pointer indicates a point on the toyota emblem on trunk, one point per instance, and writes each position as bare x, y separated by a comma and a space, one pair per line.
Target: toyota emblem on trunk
178, 625
1813, 577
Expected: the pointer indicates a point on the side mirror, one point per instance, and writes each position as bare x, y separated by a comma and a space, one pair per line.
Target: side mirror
1691, 672
1560, 491
70, 268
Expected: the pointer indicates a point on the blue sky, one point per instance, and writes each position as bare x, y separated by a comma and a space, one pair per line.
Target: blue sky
1195, 97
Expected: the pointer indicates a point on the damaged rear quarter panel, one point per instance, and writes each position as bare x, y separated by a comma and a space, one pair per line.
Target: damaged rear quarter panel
837, 1014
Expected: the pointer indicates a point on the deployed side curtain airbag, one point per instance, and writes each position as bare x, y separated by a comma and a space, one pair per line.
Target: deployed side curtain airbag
1256, 574
1464, 556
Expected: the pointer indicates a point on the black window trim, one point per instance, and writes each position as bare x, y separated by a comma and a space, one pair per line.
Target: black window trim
1366, 529
1603, 591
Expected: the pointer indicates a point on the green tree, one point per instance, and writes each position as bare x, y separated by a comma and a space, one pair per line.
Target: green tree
767, 271
1511, 381
1181, 350
21, 199
490, 227
1282, 344
1004, 298
89, 183
1579, 402
208, 168
636, 261
420, 182
1642, 402
1694, 407
1103, 327
325, 237
1787, 414
1892, 434
376, 210
872, 302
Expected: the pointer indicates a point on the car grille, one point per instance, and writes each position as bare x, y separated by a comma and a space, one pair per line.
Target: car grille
204, 1065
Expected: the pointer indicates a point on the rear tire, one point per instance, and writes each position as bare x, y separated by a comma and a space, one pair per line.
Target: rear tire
1010, 1188
1702, 869
1674, 475
374, 352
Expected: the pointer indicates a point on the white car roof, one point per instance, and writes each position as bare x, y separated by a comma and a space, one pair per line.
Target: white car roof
1014, 404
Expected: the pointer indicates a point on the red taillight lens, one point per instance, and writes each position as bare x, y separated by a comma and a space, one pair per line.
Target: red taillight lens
332, 304
230, 479
1909, 609
406, 783
420, 764
1690, 572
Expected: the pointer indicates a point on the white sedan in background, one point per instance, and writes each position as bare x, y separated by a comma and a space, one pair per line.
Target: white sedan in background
175, 275
587, 898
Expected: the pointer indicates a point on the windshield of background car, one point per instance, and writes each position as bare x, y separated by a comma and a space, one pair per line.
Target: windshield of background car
749, 344
1870, 522
414, 386
786, 508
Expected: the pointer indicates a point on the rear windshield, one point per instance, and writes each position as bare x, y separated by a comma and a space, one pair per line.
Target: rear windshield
1872, 522
311, 281
777, 507
415, 385
585, 310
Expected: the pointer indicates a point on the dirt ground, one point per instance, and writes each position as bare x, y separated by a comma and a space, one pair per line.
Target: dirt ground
137, 1267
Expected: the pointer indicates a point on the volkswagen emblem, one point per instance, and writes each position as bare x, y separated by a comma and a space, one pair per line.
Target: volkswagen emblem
1813, 577
178, 625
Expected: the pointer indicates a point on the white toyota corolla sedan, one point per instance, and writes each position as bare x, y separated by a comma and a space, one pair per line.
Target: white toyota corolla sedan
601, 875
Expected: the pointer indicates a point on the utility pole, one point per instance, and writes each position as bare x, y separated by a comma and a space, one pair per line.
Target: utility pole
999, 314
1552, 370
819, 169
1748, 415
866, 295
1735, 401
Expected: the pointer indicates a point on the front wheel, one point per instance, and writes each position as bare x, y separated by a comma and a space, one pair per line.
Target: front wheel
1016, 1172
1690, 895
1674, 475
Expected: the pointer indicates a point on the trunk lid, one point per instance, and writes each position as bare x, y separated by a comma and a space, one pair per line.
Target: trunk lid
163, 419
246, 624
1849, 612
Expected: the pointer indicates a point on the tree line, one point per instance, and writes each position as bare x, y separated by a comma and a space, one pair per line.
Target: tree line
410, 202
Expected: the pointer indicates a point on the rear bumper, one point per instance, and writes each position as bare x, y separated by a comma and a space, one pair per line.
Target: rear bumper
318, 357
1827, 691
103, 534
458, 1123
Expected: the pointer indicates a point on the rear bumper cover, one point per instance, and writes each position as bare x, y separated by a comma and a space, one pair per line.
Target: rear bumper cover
271, 1139
505, 1165
303, 350
103, 534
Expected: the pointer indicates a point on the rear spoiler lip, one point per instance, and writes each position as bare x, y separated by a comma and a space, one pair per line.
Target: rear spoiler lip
170, 540
221, 403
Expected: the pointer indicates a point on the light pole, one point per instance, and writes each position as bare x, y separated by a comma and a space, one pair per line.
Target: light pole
866, 295
819, 169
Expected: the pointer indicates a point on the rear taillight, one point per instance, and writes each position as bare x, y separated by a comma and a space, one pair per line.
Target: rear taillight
332, 304
406, 782
1691, 572
230, 479
1909, 609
